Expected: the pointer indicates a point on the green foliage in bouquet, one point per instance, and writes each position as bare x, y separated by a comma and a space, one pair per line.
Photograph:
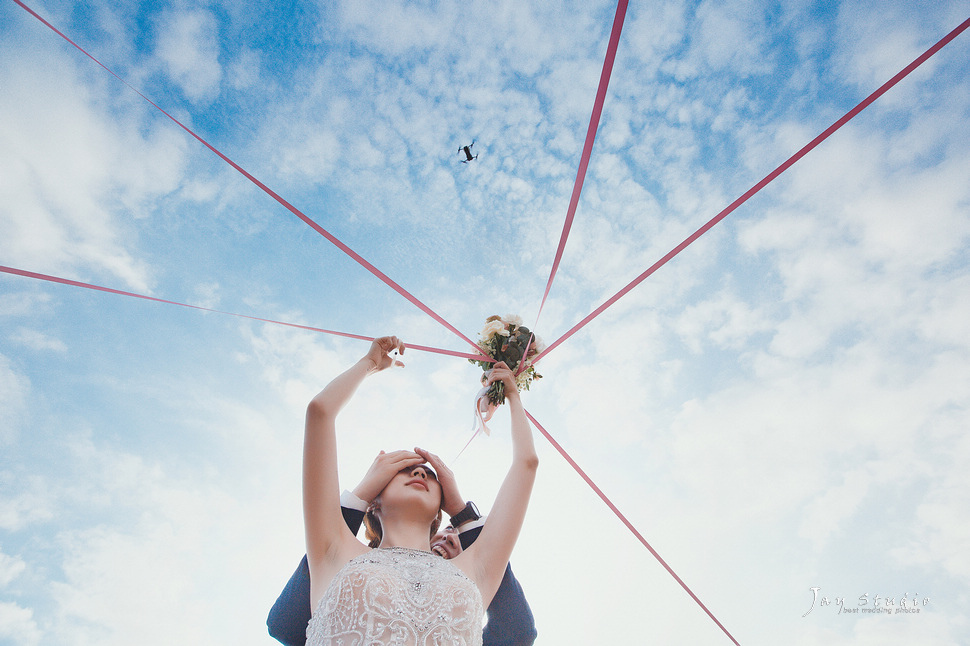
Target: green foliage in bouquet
505, 339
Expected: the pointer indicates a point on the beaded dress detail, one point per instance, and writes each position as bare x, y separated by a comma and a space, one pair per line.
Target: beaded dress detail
398, 596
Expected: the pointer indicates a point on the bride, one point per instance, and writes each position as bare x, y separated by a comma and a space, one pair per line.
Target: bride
401, 592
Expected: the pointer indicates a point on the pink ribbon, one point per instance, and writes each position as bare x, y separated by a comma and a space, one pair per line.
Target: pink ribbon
76, 283
484, 409
594, 121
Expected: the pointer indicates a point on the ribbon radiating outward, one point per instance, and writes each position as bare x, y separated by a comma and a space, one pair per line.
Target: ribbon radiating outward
625, 521
109, 290
594, 121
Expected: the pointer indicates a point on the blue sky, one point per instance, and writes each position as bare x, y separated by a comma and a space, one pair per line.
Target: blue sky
784, 405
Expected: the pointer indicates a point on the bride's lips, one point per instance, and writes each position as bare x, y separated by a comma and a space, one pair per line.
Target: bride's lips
419, 482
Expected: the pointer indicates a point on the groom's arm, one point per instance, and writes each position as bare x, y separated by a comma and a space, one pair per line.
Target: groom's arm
289, 616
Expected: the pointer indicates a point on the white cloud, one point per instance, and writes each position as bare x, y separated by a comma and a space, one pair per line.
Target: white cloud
724, 321
17, 304
789, 432
926, 628
943, 318
732, 35
65, 156
650, 32
941, 535
160, 535
207, 295
26, 500
877, 40
312, 155
14, 388
244, 72
188, 45
18, 625
396, 28
10, 569
36, 340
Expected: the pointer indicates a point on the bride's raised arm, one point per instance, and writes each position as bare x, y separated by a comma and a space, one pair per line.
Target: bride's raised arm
326, 533
490, 554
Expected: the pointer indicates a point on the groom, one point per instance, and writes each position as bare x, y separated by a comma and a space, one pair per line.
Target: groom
510, 620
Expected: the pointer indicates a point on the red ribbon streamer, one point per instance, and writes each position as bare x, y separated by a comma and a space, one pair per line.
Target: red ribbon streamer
292, 209
109, 290
760, 185
629, 525
594, 121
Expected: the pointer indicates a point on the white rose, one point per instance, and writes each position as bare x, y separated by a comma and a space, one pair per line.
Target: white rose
514, 319
492, 328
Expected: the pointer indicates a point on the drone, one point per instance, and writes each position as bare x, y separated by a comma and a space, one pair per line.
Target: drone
467, 150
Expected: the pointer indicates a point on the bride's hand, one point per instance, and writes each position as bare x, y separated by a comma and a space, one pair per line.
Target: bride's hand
385, 467
501, 372
379, 353
451, 500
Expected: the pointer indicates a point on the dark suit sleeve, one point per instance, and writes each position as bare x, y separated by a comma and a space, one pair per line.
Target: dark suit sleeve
510, 620
290, 614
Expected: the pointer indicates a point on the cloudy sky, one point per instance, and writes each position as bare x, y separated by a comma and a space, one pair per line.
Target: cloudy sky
782, 406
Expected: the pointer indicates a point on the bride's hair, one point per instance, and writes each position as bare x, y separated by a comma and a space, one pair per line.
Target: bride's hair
373, 531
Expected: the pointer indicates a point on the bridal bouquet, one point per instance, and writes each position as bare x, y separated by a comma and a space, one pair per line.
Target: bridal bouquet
504, 338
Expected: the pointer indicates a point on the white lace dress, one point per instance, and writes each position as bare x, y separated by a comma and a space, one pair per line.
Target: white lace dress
398, 596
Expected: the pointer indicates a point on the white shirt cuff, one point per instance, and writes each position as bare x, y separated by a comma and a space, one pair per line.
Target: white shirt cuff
472, 524
350, 501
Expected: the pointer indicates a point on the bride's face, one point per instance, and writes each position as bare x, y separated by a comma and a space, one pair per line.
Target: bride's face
415, 486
